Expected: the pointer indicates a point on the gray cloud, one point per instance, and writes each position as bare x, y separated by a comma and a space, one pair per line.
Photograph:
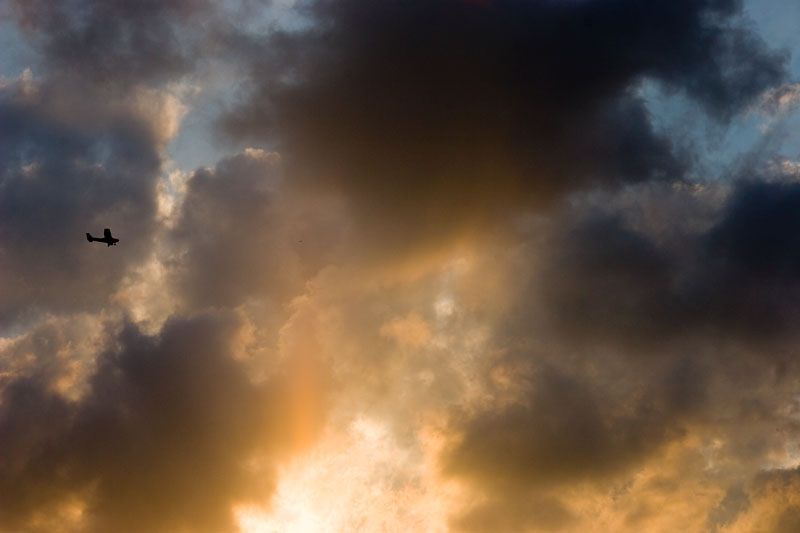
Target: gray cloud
441, 116
569, 428
626, 339
639, 317
113, 42
60, 179
240, 236
735, 502
161, 441
774, 505
736, 279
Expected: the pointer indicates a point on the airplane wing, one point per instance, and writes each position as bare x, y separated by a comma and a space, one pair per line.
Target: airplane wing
107, 233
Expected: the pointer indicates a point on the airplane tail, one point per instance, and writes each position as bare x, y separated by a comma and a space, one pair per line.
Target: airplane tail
89, 237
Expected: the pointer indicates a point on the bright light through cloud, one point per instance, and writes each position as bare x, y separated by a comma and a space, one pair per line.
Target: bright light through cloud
360, 480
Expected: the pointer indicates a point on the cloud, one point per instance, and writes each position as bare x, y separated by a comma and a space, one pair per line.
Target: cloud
59, 350
736, 500
240, 236
465, 267
781, 99
445, 116
113, 42
773, 504
627, 341
410, 330
61, 178
516, 514
737, 277
569, 429
170, 433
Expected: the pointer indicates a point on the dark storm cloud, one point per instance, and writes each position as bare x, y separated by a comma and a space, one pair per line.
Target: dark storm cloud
113, 41
569, 428
161, 441
759, 236
716, 300
739, 279
59, 179
582, 421
437, 115
603, 275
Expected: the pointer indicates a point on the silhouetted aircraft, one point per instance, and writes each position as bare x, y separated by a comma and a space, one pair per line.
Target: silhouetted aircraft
107, 238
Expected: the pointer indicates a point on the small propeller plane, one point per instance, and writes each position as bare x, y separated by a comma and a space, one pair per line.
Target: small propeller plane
107, 238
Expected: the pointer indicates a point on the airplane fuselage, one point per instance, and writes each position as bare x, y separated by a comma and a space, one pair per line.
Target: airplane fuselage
110, 242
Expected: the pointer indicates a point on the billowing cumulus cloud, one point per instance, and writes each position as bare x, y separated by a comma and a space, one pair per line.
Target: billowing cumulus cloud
240, 235
61, 177
170, 433
467, 276
630, 342
439, 115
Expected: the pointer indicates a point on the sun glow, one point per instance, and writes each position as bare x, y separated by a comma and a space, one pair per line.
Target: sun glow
362, 480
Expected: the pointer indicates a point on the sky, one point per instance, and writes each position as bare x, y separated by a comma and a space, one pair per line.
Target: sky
409, 265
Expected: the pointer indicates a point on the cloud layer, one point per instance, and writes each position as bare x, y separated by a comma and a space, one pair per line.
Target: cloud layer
467, 282
439, 115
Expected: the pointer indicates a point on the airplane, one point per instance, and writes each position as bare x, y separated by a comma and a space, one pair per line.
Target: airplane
107, 238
